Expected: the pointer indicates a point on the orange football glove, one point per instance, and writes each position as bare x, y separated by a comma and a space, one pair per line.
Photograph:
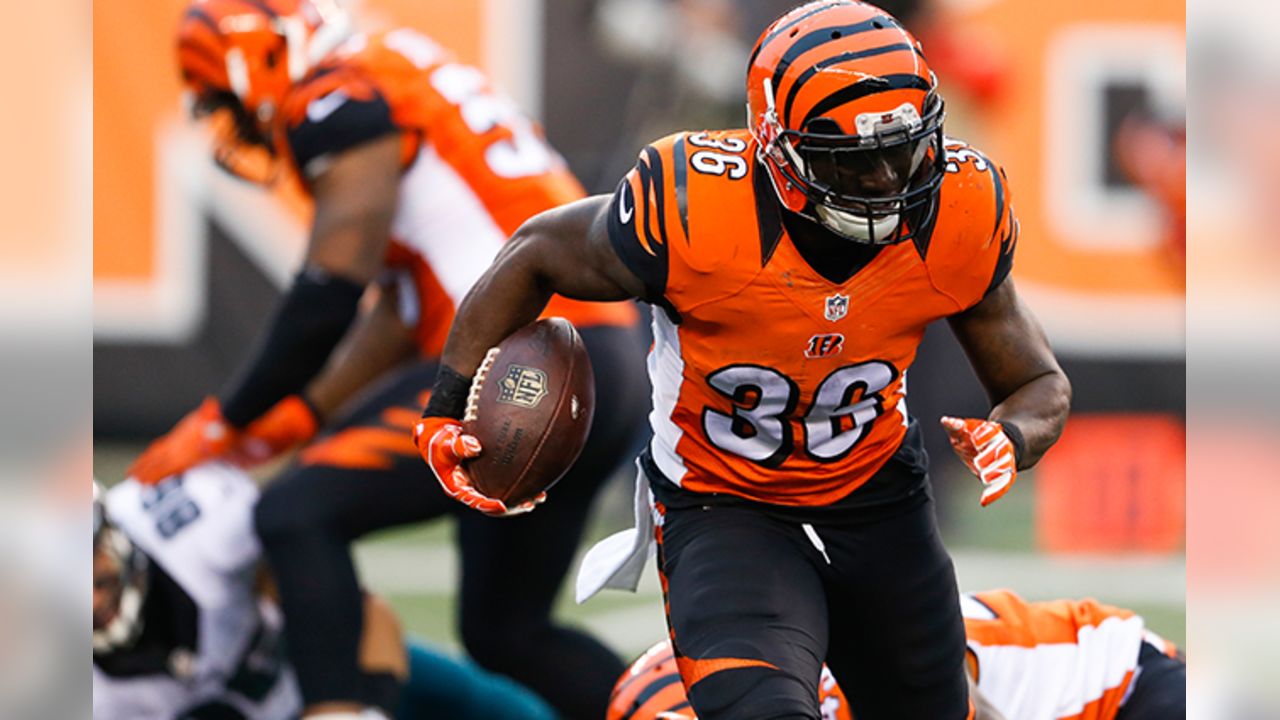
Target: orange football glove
201, 436
445, 447
987, 450
288, 424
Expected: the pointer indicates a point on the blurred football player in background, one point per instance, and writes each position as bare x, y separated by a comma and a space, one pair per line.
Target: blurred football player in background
185, 622
1058, 660
793, 267
419, 171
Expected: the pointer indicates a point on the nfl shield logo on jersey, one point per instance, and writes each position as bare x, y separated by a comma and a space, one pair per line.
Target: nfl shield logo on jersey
837, 307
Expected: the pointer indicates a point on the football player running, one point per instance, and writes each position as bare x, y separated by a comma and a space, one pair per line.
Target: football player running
1058, 660
419, 172
793, 267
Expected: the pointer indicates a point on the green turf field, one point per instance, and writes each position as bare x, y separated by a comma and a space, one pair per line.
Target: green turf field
416, 568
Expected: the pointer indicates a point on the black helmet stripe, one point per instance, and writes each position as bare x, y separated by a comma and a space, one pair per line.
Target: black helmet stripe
870, 86
264, 7
756, 53
794, 90
805, 43
202, 17
653, 688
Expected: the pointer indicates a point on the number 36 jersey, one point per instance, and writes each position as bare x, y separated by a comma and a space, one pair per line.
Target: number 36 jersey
770, 382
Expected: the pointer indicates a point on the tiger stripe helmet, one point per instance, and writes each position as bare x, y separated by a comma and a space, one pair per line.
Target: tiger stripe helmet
651, 690
848, 117
244, 55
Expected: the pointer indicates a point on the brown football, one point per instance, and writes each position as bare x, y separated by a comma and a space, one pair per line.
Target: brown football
530, 407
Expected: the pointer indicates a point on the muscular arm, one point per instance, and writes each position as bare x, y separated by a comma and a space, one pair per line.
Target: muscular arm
1013, 361
355, 201
564, 251
379, 342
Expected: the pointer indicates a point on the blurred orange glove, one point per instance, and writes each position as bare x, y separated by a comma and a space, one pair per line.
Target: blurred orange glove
445, 447
987, 450
201, 436
291, 422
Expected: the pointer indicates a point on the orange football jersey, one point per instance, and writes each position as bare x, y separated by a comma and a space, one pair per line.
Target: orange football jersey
1057, 660
771, 382
474, 167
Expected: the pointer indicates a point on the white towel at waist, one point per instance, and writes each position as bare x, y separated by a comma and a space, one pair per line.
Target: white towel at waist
618, 560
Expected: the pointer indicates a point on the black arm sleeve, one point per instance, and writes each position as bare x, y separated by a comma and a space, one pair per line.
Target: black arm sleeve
311, 319
335, 123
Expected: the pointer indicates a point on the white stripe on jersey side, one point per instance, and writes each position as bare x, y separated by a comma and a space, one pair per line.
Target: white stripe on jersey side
443, 219
902, 402
666, 372
1056, 680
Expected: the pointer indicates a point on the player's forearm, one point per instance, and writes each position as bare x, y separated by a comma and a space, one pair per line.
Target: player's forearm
379, 342
510, 294
1039, 410
311, 320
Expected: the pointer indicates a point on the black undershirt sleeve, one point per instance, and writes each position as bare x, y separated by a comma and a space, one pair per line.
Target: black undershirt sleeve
311, 319
335, 123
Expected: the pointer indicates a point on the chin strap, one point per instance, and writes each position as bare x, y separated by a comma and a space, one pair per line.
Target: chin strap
856, 227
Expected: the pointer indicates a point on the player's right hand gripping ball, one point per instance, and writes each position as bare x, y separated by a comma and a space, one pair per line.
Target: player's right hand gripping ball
987, 451
445, 447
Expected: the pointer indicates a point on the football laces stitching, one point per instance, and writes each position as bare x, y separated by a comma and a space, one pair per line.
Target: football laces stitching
477, 383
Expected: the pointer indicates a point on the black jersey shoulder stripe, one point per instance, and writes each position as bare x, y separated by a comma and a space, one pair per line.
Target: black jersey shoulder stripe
1004, 261
681, 171
807, 42
652, 180
768, 212
807, 75
870, 86
998, 182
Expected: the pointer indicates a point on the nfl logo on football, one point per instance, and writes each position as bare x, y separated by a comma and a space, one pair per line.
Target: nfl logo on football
523, 386
837, 307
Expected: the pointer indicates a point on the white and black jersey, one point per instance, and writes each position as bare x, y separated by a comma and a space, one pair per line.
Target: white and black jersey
209, 646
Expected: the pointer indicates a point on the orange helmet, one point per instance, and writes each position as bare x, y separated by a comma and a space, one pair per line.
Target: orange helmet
242, 56
849, 120
651, 690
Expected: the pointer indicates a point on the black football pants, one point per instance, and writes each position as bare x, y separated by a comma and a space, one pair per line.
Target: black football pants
756, 603
1160, 692
365, 475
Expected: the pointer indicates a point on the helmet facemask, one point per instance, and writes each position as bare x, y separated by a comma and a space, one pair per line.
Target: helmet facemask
875, 187
126, 577
240, 146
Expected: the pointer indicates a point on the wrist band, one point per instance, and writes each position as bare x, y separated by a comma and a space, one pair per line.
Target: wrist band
1016, 439
448, 394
